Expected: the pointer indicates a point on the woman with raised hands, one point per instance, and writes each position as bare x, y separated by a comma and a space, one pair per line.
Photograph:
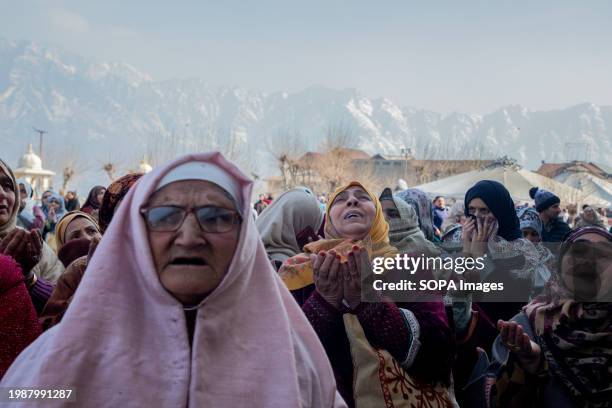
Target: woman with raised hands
415, 334
557, 352
37, 261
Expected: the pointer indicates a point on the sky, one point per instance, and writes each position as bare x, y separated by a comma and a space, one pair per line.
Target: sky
446, 56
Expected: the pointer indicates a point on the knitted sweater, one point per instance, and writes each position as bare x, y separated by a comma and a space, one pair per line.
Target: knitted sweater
19, 326
385, 328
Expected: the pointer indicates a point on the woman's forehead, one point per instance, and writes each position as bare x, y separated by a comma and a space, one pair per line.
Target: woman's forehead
592, 237
79, 222
356, 189
350, 191
353, 190
477, 203
185, 191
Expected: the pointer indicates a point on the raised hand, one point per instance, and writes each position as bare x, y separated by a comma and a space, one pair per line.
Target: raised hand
92, 248
358, 269
51, 215
328, 277
468, 231
23, 246
518, 342
479, 231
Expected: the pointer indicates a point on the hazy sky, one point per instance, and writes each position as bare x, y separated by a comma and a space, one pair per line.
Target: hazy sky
440, 55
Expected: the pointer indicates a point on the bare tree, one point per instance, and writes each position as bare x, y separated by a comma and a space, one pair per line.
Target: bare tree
70, 161
287, 148
338, 134
110, 170
67, 176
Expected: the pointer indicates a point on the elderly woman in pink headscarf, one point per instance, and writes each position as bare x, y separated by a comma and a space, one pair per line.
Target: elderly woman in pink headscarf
181, 307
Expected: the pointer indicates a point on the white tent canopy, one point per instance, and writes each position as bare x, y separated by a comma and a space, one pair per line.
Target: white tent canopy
596, 190
518, 181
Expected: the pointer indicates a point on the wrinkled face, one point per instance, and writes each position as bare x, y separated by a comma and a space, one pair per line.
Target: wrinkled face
390, 210
7, 198
191, 262
531, 235
352, 213
81, 227
587, 266
100, 195
440, 202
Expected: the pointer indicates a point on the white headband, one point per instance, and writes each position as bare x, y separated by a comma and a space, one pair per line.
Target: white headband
205, 172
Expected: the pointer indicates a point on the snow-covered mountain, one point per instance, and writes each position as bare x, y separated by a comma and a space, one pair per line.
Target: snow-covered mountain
97, 112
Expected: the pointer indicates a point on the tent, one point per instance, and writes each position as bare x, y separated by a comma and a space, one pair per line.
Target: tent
517, 180
596, 190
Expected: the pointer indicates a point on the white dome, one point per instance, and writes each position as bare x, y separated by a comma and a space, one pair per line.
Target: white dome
30, 160
144, 167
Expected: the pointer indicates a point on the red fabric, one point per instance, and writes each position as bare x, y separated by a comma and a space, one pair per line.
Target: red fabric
88, 210
18, 321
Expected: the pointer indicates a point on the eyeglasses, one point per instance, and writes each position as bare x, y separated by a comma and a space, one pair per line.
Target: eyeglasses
169, 218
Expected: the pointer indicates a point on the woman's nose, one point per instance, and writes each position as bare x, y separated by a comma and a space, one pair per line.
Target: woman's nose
190, 233
352, 201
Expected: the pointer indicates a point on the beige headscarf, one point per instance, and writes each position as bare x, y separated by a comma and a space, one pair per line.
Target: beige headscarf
297, 271
583, 222
49, 268
12, 223
287, 216
62, 226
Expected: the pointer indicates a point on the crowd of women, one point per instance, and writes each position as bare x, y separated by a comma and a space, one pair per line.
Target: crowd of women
169, 290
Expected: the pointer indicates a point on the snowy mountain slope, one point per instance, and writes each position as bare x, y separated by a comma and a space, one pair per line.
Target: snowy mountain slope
112, 111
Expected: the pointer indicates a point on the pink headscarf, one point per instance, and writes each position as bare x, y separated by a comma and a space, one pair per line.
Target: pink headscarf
124, 342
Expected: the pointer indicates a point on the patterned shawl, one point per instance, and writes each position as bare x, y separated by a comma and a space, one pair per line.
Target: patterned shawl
576, 336
423, 207
113, 196
405, 234
529, 218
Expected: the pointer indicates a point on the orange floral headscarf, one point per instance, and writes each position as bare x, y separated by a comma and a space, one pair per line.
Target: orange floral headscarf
297, 271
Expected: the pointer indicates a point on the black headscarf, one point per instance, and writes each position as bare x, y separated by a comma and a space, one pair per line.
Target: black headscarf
498, 199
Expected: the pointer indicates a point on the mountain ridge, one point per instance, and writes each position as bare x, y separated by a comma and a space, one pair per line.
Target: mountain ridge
91, 107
